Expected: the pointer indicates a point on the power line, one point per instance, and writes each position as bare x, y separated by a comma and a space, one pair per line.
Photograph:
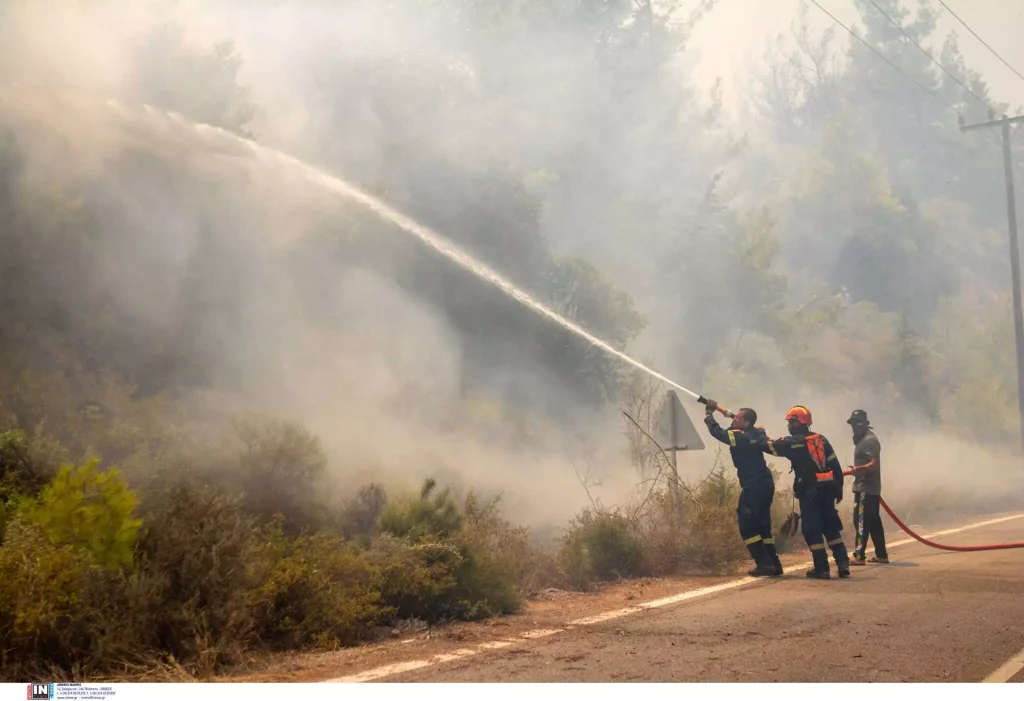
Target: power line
914, 42
884, 58
879, 53
994, 53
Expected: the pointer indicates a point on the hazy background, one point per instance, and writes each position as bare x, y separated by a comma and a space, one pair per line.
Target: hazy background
736, 34
817, 231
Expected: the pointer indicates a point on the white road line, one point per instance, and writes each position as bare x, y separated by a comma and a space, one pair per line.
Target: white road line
1007, 671
402, 667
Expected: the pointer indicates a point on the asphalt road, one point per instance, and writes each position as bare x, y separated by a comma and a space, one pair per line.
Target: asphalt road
928, 616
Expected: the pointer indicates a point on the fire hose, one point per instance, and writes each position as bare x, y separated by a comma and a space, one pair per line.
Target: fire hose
940, 546
896, 519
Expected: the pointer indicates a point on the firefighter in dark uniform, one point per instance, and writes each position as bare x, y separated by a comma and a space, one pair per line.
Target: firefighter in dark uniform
757, 486
818, 484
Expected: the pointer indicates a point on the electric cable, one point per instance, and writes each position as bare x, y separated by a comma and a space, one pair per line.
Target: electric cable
884, 58
994, 53
926, 53
879, 54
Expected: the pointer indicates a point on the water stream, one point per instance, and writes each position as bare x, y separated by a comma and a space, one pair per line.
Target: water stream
17, 97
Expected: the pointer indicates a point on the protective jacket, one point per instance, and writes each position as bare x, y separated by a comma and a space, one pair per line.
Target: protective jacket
746, 449
814, 461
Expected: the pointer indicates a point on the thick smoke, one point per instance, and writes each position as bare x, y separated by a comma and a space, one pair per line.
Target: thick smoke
375, 369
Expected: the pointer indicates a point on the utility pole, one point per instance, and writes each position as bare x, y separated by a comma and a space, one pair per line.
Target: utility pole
1011, 215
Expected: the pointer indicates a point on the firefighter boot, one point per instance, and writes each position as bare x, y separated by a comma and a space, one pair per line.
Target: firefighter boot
840, 555
820, 569
773, 555
764, 568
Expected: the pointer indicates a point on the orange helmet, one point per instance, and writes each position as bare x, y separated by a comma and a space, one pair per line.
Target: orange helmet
801, 414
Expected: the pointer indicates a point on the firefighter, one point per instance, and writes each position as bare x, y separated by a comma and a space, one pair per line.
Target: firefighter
757, 487
867, 489
818, 485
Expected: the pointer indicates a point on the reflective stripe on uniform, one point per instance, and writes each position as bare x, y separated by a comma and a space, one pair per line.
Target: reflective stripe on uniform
818, 546
825, 476
732, 438
769, 541
835, 541
751, 541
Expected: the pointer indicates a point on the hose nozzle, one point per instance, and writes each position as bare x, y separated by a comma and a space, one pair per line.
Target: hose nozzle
725, 412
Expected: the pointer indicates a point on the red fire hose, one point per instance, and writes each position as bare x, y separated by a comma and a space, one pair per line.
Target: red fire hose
955, 548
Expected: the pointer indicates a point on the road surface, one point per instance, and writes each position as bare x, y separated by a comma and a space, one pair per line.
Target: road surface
928, 616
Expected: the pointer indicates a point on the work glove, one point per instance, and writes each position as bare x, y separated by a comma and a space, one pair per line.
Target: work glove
710, 407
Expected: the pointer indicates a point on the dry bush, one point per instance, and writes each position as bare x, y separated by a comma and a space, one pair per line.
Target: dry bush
360, 515
280, 471
511, 555
27, 462
659, 536
202, 549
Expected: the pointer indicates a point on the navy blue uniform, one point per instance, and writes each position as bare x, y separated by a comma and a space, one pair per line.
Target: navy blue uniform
817, 483
757, 490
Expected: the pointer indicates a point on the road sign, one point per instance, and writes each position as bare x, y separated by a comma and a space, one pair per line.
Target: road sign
675, 431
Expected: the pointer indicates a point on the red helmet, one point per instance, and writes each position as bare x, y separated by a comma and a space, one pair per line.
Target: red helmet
801, 414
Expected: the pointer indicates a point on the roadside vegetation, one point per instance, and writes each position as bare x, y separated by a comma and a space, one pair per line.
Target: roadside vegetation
197, 558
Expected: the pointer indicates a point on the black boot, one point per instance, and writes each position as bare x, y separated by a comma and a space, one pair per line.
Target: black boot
764, 567
774, 556
820, 570
841, 556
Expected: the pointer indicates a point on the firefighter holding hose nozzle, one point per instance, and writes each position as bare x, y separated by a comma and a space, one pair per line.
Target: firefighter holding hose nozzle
818, 485
757, 486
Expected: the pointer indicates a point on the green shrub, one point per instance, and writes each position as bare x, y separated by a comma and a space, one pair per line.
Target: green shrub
432, 516
90, 510
317, 591
70, 597
418, 579
440, 561
58, 610
601, 546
